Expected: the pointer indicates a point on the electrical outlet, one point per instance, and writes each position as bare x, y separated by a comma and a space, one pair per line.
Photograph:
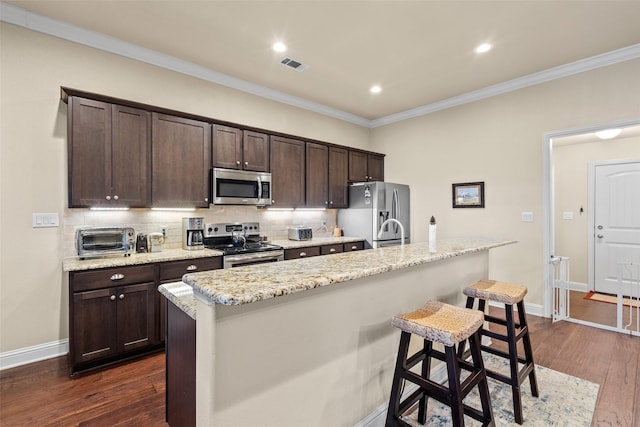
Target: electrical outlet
323, 223
164, 230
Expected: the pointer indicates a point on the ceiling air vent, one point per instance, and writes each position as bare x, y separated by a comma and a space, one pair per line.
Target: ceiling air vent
292, 63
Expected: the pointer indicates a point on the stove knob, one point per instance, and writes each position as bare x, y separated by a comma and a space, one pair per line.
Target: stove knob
215, 229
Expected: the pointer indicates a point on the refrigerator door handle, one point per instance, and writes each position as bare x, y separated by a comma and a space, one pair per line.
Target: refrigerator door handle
395, 208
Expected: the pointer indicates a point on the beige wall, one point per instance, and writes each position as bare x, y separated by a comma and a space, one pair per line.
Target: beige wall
499, 141
33, 288
571, 191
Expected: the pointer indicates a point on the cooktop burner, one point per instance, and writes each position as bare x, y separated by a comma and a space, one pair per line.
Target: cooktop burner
236, 238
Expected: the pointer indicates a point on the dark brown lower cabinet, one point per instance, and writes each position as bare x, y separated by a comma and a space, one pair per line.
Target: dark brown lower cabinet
180, 368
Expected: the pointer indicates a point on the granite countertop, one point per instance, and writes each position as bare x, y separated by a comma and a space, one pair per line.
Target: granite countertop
258, 282
316, 241
77, 264
181, 295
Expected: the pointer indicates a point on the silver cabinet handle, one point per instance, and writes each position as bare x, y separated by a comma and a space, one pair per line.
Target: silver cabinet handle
117, 276
303, 254
121, 296
331, 202
600, 236
206, 199
113, 298
115, 197
238, 162
354, 247
332, 250
246, 163
108, 197
192, 267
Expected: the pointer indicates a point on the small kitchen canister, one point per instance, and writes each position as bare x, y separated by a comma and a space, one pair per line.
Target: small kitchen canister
432, 235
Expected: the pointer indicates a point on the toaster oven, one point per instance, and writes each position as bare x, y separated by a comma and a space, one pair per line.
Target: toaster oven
300, 233
96, 242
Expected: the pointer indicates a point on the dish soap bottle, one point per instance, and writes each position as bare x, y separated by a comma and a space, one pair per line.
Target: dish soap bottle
432, 235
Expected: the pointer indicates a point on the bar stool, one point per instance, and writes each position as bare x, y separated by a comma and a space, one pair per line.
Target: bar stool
448, 325
509, 295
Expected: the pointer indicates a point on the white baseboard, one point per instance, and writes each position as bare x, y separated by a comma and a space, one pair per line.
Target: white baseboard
36, 353
532, 309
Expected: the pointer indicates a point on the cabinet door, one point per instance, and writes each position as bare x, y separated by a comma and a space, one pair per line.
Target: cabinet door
180, 162
131, 157
94, 333
375, 167
338, 178
226, 147
89, 152
317, 172
287, 172
137, 316
255, 151
357, 166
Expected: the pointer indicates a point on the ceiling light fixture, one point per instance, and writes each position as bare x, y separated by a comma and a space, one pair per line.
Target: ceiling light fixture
279, 47
608, 133
484, 47
375, 89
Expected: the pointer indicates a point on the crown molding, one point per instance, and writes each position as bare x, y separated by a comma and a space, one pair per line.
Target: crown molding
580, 66
35, 22
32, 21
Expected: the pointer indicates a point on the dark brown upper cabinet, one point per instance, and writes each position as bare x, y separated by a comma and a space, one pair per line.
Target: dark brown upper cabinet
327, 169
234, 148
109, 154
365, 166
287, 172
338, 178
181, 159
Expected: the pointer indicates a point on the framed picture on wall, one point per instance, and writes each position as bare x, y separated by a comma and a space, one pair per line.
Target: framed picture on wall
468, 195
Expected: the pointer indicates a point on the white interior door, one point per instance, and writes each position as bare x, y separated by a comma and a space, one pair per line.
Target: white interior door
616, 221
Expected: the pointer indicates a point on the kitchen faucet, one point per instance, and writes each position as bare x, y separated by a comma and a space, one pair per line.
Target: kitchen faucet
397, 222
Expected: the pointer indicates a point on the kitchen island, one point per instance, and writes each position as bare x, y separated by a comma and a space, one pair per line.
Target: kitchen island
309, 342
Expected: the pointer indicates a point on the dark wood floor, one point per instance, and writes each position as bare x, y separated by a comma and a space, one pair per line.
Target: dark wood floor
42, 394
599, 312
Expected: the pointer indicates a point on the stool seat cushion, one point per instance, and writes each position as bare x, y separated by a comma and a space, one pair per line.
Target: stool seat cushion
440, 322
506, 293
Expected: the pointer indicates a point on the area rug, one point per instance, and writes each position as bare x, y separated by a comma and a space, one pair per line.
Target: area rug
611, 299
564, 401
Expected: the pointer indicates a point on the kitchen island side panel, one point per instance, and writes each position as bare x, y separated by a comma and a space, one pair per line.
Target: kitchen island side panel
315, 358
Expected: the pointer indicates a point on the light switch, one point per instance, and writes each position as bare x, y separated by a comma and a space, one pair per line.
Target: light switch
526, 216
41, 220
567, 215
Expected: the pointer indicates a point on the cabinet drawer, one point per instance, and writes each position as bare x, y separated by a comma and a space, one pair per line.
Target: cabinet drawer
331, 249
301, 252
354, 246
174, 270
109, 277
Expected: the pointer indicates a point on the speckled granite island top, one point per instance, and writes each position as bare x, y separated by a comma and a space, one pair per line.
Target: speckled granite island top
316, 241
259, 282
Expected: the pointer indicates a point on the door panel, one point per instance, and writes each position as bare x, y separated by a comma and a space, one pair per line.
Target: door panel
617, 221
136, 316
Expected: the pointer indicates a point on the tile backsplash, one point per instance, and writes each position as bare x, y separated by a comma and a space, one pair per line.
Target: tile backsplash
273, 223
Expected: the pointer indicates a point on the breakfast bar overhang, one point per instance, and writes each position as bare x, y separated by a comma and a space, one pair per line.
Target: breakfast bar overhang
309, 342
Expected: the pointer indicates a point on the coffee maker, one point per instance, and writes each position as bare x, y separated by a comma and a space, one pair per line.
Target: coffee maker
192, 233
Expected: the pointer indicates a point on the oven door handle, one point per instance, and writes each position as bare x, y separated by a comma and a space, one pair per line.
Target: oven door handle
259, 188
254, 256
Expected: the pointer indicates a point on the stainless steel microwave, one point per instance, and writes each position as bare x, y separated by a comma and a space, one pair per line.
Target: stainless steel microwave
96, 242
236, 187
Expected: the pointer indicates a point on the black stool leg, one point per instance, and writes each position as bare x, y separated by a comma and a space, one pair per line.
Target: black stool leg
426, 373
528, 353
457, 411
483, 385
513, 362
393, 417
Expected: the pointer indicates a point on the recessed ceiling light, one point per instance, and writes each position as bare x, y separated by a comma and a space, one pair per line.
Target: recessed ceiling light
279, 47
608, 133
375, 89
484, 47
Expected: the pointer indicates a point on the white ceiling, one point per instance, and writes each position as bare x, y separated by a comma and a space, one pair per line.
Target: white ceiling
420, 52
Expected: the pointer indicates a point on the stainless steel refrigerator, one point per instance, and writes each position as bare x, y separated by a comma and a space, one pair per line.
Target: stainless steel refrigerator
370, 204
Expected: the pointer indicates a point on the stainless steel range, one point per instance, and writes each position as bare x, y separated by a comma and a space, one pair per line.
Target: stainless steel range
241, 244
